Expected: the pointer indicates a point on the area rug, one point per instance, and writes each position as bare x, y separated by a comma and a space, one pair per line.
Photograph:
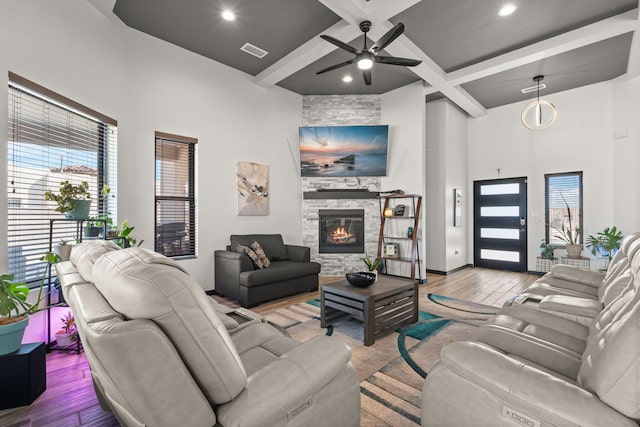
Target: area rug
390, 387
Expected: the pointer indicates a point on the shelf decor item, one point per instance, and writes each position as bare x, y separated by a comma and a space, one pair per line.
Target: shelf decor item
391, 250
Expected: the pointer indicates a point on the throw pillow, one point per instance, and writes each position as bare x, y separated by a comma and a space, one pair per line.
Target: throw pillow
255, 259
260, 252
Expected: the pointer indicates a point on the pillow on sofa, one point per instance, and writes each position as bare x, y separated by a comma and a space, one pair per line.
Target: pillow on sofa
255, 259
260, 253
272, 244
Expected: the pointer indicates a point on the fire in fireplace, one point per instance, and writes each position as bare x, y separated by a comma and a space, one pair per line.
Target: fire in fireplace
341, 231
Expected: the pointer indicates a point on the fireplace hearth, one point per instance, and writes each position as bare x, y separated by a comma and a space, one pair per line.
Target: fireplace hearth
341, 231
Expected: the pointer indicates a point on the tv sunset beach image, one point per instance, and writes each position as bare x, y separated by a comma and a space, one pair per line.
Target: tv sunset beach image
343, 150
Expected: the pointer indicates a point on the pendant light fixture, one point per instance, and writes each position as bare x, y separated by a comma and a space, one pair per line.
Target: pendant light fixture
538, 114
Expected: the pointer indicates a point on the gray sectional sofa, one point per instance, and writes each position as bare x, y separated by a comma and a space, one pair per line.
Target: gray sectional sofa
291, 271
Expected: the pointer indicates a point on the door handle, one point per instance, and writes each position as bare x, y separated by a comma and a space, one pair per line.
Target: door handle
523, 222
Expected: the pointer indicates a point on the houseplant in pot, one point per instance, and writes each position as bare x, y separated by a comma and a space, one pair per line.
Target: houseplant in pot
373, 265
73, 200
68, 333
605, 242
570, 235
63, 249
14, 308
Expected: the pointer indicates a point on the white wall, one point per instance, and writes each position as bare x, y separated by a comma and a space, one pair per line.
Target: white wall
147, 85
403, 110
579, 140
626, 153
446, 151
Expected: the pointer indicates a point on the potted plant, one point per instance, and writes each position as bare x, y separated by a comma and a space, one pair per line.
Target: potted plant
123, 238
569, 235
605, 242
68, 334
73, 200
94, 225
546, 250
14, 308
373, 265
63, 249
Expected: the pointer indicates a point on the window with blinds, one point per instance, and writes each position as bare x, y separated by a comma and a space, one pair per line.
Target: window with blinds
175, 210
51, 139
562, 190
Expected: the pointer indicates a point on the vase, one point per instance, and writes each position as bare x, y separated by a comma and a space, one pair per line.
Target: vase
573, 251
11, 335
64, 340
64, 251
80, 210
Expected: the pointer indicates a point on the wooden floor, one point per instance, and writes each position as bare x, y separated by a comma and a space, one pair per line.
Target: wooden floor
70, 400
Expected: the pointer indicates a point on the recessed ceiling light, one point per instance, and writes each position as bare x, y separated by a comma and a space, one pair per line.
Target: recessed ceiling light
228, 15
507, 9
347, 79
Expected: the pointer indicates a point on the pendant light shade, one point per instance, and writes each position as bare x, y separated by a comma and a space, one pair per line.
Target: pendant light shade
538, 114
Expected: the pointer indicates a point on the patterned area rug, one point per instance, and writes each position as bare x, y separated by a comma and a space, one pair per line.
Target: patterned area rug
390, 387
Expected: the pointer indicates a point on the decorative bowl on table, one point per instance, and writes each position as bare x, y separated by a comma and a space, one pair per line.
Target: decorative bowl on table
361, 279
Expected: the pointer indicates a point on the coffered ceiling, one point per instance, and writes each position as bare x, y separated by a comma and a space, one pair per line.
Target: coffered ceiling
469, 53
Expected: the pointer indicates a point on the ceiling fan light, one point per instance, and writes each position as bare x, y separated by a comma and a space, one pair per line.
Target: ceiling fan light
347, 79
365, 63
507, 9
228, 15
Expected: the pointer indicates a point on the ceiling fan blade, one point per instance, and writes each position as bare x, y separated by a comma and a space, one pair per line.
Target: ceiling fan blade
389, 36
333, 67
392, 60
367, 76
340, 44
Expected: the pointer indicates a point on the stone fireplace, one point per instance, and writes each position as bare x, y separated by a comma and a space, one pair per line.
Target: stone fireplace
341, 231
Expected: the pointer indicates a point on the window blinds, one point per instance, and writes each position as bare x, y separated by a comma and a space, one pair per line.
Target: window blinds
561, 190
50, 142
175, 204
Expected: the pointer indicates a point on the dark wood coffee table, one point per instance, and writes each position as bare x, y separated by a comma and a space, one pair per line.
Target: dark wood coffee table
383, 307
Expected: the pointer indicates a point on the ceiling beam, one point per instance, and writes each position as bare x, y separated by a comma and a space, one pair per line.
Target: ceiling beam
429, 71
306, 54
590, 34
633, 66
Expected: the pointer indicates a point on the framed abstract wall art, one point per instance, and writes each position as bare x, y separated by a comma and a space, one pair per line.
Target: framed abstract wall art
253, 189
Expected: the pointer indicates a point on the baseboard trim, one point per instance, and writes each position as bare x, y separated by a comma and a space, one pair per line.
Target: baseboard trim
444, 273
536, 273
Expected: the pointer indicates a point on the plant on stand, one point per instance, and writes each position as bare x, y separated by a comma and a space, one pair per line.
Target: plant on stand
373, 265
73, 200
14, 308
68, 334
605, 242
569, 235
63, 249
546, 250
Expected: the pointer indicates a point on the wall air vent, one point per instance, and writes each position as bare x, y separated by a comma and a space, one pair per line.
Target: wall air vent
533, 88
254, 50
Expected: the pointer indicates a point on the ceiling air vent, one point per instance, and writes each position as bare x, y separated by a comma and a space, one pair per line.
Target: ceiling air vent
253, 50
533, 88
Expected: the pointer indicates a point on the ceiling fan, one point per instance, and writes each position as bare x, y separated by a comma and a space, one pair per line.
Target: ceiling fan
367, 56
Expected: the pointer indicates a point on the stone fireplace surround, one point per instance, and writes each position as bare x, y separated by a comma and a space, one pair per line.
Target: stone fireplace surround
337, 264
337, 110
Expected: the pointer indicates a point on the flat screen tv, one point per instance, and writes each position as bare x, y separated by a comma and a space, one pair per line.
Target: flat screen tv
343, 150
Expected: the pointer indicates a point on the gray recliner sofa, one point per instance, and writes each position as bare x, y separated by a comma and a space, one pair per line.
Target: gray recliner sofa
291, 271
163, 353
550, 362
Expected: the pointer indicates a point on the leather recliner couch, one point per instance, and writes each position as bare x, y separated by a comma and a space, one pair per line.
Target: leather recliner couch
554, 364
162, 353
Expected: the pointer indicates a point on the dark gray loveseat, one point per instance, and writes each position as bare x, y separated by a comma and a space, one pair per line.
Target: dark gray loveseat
291, 271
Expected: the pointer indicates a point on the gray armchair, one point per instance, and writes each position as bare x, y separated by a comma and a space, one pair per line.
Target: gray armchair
291, 271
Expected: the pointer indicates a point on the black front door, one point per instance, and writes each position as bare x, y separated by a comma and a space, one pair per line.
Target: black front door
500, 224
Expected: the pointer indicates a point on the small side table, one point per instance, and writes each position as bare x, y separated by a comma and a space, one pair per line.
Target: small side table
582, 263
25, 374
544, 265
